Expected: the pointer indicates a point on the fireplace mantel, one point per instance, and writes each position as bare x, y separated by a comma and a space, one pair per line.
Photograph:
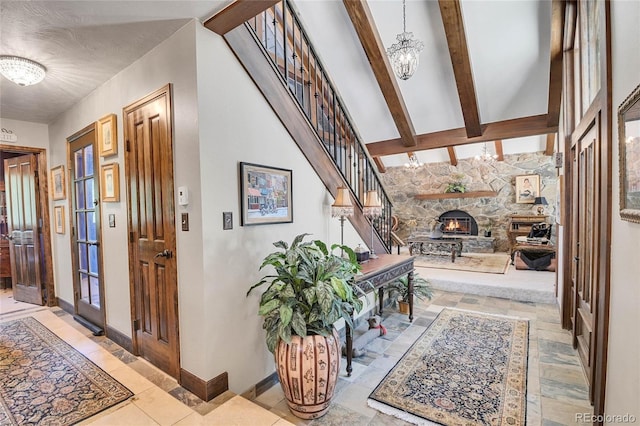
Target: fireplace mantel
476, 194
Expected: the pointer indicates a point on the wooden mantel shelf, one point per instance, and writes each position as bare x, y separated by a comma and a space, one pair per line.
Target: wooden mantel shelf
476, 194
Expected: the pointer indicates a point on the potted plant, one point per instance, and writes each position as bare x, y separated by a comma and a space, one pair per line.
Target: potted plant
398, 291
311, 289
457, 185
487, 229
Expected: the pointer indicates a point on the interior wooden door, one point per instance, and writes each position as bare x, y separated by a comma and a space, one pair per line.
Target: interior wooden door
23, 208
152, 234
586, 275
86, 254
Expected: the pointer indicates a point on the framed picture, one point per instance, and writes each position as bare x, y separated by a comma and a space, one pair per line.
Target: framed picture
58, 191
58, 216
629, 143
107, 136
527, 188
265, 194
110, 183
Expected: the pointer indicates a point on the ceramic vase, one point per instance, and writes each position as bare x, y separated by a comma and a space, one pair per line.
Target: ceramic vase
308, 370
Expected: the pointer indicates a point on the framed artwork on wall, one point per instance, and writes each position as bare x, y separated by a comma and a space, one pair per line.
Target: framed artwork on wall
58, 216
265, 195
110, 183
629, 147
527, 188
107, 136
58, 191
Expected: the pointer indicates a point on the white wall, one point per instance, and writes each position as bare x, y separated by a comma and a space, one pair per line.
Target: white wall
237, 125
623, 364
32, 135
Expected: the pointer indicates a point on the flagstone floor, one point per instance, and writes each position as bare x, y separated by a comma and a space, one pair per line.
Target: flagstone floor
556, 388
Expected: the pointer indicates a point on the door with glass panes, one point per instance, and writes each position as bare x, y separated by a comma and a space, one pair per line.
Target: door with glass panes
85, 233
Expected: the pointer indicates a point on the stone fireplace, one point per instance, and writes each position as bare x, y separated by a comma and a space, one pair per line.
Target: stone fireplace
458, 222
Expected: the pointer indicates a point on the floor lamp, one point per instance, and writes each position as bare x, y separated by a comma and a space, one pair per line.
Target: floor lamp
342, 208
372, 209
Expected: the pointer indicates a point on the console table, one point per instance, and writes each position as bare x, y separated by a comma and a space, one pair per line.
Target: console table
380, 272
428, 245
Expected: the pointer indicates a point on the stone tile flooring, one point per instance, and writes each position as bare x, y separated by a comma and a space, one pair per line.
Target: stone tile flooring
556, 386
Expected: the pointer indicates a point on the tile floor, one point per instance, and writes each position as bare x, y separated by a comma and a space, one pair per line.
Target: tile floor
556, 388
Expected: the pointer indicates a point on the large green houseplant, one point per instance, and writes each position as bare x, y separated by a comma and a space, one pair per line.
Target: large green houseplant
311, 289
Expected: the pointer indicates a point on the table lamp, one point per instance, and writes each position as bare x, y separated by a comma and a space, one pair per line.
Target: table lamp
342, 208
538, 205
372, 209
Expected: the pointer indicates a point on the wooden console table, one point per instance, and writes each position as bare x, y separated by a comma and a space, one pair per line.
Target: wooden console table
380, 272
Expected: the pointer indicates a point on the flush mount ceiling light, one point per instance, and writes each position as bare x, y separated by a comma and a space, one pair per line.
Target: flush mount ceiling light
405, 54
22, 71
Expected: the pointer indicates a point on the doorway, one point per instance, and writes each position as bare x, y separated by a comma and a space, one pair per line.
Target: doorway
25, 248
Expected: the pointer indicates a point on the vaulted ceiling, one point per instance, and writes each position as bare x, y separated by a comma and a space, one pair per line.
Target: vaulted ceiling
490, 70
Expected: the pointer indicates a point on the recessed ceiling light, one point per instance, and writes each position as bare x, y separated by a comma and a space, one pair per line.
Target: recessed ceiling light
21, 71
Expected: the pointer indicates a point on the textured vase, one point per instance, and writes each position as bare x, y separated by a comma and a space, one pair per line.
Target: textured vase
308, 369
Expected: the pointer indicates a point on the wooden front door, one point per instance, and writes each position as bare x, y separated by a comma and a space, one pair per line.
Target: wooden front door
24, 226
152, 234
86, 252
585, 247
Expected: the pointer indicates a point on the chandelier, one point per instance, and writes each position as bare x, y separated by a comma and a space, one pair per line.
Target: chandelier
21, 71
404, 55
485, 156
413, 163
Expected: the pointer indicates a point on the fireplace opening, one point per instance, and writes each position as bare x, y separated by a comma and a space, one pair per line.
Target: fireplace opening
458, 222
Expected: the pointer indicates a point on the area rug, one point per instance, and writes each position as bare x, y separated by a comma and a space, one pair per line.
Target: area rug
467, 368
493, 263
45, 381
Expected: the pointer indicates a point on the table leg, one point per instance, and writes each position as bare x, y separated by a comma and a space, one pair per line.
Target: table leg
410, 285
453, 254
349, 342
381, 298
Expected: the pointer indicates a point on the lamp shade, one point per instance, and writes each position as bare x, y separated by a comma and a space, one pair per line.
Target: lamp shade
342, 206
372, 205
540, 201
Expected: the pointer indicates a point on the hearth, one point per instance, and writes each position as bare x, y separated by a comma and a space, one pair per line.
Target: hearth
458, 222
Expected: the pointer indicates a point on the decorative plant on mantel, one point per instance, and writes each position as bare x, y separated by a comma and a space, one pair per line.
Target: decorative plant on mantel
456, 185
311, 289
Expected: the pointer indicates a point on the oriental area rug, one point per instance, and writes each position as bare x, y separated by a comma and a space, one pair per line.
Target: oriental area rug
467, 368
492, 263
45, 381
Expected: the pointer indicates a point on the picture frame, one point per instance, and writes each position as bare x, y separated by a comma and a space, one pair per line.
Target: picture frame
527, 188
110, 183
58, 186
265, 195
58, 217
107, 136
629, 156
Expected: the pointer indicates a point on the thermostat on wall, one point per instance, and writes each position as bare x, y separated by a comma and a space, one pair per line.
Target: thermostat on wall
183, 195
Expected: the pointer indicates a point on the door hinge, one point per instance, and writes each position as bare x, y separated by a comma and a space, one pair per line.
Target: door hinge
131, 236
136, 324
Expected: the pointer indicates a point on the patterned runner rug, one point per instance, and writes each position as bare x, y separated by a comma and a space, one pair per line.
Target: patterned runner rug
467, 368
493, 263
45, 381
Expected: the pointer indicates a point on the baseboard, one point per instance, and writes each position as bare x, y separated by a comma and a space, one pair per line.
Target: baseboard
119, 338
206, 391
264, 385
66, 306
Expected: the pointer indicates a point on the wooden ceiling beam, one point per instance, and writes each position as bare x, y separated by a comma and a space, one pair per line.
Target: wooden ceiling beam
499, 151
379, 165
456, 39
363, 23
452, 156
558, 8
551, 139
508, 129
237, 13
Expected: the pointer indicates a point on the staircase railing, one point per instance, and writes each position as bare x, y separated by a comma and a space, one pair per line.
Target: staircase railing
285, 43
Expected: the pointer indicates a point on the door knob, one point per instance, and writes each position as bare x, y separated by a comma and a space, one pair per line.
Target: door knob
166, 253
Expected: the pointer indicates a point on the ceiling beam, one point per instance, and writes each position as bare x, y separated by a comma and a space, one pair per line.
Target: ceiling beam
379, 164
237, 13
457, 41
499, 151
452, 156
508, 129
555, 69
551, 139
363, 23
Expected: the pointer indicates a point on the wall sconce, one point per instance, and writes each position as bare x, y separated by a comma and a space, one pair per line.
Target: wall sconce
372, 209
342, 208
